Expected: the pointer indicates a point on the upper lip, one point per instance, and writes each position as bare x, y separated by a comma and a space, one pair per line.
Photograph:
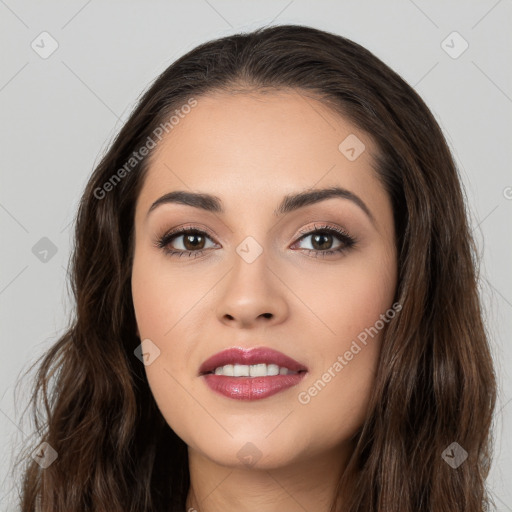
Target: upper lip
258, 355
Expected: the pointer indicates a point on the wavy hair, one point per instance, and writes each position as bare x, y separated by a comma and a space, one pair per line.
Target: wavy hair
435, 383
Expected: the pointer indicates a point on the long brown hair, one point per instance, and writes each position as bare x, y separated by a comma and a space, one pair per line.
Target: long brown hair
435, 384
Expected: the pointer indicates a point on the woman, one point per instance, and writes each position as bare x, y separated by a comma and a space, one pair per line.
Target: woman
276, 299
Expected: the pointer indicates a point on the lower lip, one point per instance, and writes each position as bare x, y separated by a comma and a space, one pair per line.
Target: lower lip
251, 388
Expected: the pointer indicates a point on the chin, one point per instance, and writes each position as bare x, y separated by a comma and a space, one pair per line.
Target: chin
251, 451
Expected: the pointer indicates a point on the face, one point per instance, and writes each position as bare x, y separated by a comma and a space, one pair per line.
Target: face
314, 281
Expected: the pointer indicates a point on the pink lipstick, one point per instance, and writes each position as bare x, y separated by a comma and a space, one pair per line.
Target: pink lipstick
251, 374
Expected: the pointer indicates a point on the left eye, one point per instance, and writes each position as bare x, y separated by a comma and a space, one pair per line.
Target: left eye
321, 239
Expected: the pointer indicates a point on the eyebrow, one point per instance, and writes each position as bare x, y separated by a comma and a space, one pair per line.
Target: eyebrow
290, 202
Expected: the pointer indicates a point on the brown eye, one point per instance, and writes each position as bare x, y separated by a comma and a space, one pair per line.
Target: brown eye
193, 241
184, 241
322, 239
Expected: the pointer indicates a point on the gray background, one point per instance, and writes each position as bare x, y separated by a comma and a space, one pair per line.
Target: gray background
59, 113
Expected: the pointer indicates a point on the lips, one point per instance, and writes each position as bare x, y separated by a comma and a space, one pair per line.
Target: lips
259, 355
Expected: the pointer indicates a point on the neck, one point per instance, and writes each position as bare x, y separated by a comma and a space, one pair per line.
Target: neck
307, 484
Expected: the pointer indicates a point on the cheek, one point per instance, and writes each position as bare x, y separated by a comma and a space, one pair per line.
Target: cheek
348, 298
160, 301
166, 303
355, 307
163, 296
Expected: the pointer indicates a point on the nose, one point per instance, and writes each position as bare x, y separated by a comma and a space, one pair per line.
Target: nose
252, 294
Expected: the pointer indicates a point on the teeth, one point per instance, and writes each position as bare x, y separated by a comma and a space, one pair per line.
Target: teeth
240, 370
253, 370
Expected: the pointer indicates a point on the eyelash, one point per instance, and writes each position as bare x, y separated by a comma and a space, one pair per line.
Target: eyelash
348, 240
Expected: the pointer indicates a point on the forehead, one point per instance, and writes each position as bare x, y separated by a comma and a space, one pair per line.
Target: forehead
258, 147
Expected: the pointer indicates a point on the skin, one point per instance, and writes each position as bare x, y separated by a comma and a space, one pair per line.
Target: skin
250, 150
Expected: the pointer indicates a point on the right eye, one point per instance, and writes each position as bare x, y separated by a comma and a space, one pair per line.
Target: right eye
193, 242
